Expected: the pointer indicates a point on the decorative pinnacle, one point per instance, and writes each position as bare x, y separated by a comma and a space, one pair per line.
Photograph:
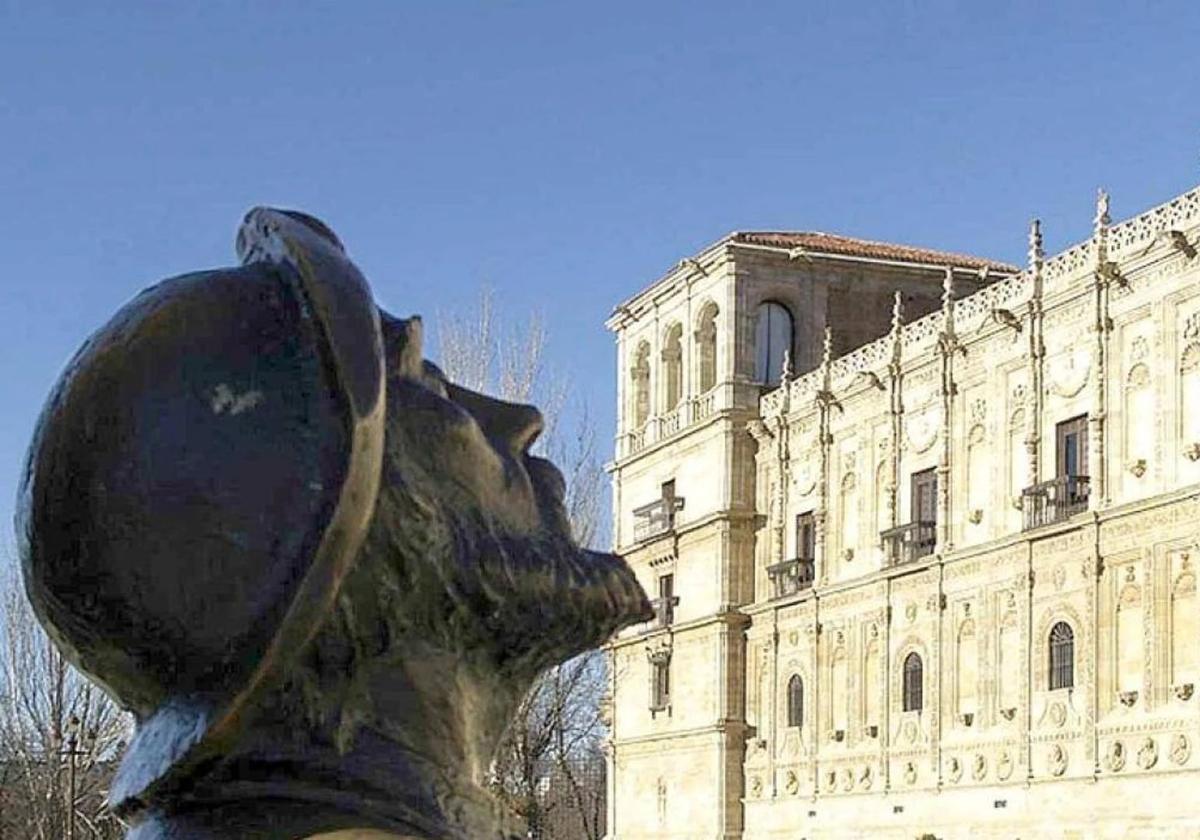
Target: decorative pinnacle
827, 347
897, 311
1102, 219
787, 365
1036, 254
948, 288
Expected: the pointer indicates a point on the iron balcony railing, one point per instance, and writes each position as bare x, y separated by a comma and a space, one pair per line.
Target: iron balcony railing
1054, 500
906, 543
655, 519
791, 576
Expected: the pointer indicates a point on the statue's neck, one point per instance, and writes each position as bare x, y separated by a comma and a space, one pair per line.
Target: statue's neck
419, 772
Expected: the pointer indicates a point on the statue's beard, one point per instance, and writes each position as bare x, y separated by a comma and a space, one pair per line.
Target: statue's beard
521, 602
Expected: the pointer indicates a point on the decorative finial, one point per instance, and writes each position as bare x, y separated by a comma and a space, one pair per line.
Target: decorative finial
1102, 219
827, 347
787, 365
897, 310
948, 288
1036, 253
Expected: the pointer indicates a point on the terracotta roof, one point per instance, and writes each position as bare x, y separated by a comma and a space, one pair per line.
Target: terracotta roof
828, 243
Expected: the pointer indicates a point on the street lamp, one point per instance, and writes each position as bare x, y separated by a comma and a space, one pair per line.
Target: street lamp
72, 751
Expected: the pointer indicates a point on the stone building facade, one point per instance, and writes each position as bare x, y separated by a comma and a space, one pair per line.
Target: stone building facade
922, 533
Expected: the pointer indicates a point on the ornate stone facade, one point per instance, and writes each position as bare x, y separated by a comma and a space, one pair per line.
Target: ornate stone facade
943, 582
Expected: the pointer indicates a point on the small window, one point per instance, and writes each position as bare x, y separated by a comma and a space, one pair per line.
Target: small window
666, 599
660, 689
1062, 656
706, 346
672, 356
806, 536
1072, 447
640, 381
795, 701
913, 683
772, 341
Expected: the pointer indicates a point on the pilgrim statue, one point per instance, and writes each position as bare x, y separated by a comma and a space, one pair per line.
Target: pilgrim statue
319, 574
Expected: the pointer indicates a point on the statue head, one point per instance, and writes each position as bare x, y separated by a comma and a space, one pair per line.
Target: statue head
272, 530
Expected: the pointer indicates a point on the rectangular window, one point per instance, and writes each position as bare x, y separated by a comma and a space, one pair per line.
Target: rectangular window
660, 689
1072, 444
666, 599
924, 496
806, 536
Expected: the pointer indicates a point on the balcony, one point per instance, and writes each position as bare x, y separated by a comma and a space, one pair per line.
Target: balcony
655, 519
791, 576
910, 542
1055, 500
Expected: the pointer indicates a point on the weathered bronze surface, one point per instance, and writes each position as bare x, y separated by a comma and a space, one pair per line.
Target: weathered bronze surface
320, 575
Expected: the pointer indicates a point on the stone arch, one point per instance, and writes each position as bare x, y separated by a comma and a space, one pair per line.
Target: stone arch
848, 515
966, 668
839, 679
639, 373
1188, 426
1185, 625
774, 337
705, 338
672, 366
1138, 405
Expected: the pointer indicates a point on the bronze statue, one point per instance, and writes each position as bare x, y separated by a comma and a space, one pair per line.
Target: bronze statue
320, 575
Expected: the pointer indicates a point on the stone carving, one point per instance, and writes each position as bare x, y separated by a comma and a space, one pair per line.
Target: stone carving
1004, 766
1114, 759
865, 778
1069, 372
1147, 755
320, 575
1181, 749
1056, 761
756, 786
979, 767
910, 773
791, 783
954, 769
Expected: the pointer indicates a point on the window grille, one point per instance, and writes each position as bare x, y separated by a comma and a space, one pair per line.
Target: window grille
795, 701
913, 683
1062, 656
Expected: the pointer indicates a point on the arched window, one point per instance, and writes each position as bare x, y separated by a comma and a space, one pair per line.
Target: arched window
914, 673
795, 701
640, 373
706, 348
672, 355
1062, 656
772, 341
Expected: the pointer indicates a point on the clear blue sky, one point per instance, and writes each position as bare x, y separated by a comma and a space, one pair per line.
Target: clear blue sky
565, 153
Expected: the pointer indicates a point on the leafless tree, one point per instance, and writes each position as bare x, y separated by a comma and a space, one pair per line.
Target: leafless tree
60, 735
550, 766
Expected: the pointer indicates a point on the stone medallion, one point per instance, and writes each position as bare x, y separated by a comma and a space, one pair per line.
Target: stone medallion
1056, 760
1147, 755
1114, 759
979, 767
1181, 749
1004, 766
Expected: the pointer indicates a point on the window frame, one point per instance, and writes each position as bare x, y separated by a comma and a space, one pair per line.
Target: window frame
1060, 659
795, 702
912, 693
766, 359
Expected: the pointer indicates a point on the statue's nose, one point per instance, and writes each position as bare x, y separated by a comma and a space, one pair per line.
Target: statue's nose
513, 426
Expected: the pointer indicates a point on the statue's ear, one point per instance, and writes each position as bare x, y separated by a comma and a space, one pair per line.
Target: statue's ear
199, 484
